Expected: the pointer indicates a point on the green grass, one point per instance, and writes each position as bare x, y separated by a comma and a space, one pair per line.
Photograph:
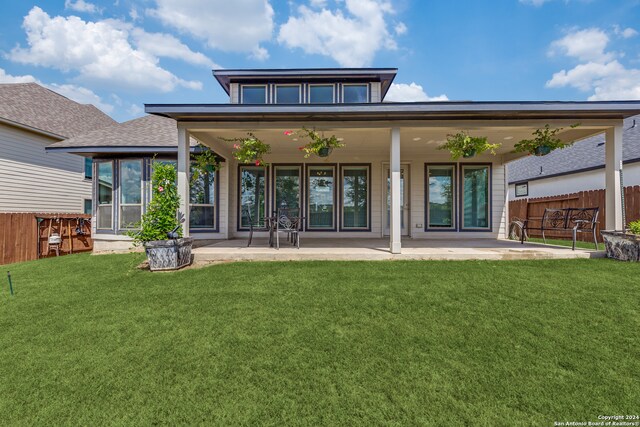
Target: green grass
564, 242
90, 340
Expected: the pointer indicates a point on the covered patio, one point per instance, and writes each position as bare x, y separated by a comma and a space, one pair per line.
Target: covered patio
354, 249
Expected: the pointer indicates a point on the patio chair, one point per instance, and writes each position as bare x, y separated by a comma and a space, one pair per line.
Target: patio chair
288, 224
258, 225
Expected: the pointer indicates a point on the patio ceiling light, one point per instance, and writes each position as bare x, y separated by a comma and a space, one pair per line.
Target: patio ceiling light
508, 138
417, 138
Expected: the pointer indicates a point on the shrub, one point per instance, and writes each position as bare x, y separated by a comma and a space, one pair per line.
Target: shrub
634, 227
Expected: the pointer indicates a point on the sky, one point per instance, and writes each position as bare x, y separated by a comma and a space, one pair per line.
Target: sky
121, 54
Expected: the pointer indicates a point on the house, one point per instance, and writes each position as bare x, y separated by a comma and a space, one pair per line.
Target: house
391, 180
31, 180
580, 167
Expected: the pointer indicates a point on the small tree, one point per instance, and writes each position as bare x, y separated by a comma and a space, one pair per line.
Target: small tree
162, 212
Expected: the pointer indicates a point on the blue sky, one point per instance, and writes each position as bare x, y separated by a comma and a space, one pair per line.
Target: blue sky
119, 54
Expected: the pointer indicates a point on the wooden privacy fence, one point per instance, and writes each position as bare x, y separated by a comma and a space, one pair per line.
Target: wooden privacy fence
534, 208
24, 236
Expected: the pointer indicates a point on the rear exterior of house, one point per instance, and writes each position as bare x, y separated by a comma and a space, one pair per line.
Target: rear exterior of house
390, 179
31, 179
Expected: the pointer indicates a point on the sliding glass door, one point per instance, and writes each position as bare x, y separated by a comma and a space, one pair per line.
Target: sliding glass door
355, 197
321, 198
287, 189
475, 197
440, 197
253, 195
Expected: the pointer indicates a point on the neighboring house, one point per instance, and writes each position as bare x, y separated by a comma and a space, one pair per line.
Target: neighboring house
390, 179
580, 167
32, 180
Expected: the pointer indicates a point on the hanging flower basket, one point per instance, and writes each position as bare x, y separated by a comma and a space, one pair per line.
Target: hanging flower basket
463, 145
542, 150
324, 151
544, 141
469, 154
249, 149
319, 145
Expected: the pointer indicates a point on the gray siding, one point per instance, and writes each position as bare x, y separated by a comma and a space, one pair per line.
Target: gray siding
34, 180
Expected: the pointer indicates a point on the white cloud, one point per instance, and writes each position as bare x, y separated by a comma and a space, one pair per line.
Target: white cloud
8, 78
412, 92
318, 3
351, 35
238, 26
101, 52
81, 95
400, 28
536, 3
625, 33
82, 6
585, 45
599, 73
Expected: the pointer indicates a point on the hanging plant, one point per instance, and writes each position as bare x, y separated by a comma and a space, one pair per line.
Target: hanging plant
249, 149
319, 145
543, 143
463, 145
204, 162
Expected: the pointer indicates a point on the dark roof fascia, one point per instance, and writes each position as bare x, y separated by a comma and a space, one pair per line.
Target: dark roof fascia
408, 110
555, 175
226, 76
115, 149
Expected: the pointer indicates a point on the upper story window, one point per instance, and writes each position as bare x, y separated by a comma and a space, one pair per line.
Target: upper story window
355, 94
254, 94
321, 94
288, 94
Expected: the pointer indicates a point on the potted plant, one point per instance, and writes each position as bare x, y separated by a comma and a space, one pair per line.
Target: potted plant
464, 145
543, 143
249, 149
319, 145
204, 161
159, 231
623, 245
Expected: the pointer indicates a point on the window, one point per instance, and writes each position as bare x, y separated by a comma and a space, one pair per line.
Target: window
105, 196
130, 193
88, 168
355, 197
287, 189
253, 195
475, 197
202, 202
88, 206
440, 197
522, 189
353, 94
254, 94
321, 94
321, 208
287, 94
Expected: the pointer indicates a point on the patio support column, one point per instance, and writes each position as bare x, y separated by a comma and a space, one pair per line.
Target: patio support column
613, 193
184, 158
395, 229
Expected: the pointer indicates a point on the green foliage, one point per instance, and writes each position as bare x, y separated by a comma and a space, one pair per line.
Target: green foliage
162, 213
249, 149
545, 137
634, 227
463, 145
317, 141
204, 161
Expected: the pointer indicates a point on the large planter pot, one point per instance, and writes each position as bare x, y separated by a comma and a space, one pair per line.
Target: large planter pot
169, 254
621, 246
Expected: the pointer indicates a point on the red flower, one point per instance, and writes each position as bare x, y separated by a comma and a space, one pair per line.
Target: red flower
257, 162
236, 146
161, 189
288, 132
301, 148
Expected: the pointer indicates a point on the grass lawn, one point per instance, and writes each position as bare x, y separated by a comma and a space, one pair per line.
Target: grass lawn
569, 243
90, 340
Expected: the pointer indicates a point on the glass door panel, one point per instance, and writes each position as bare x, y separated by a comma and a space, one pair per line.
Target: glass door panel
321, 207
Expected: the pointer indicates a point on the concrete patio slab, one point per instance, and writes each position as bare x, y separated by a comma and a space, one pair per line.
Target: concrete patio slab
378, 249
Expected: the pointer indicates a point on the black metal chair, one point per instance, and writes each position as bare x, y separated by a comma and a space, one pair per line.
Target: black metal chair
259, 225
288, 224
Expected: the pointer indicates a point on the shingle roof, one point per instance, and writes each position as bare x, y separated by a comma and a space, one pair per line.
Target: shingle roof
32, 105
144, 132
585, 154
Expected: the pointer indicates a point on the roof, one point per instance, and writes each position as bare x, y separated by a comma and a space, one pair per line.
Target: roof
384, 75
447, 110
42, 110
584, 155
145, 134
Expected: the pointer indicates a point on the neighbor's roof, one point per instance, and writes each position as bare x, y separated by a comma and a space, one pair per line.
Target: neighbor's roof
39, 109
444, 110
584, 155
144, 134
308, 75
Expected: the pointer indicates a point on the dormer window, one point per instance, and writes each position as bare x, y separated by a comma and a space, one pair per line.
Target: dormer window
254, 94
288, 94
355, 94
321, 94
